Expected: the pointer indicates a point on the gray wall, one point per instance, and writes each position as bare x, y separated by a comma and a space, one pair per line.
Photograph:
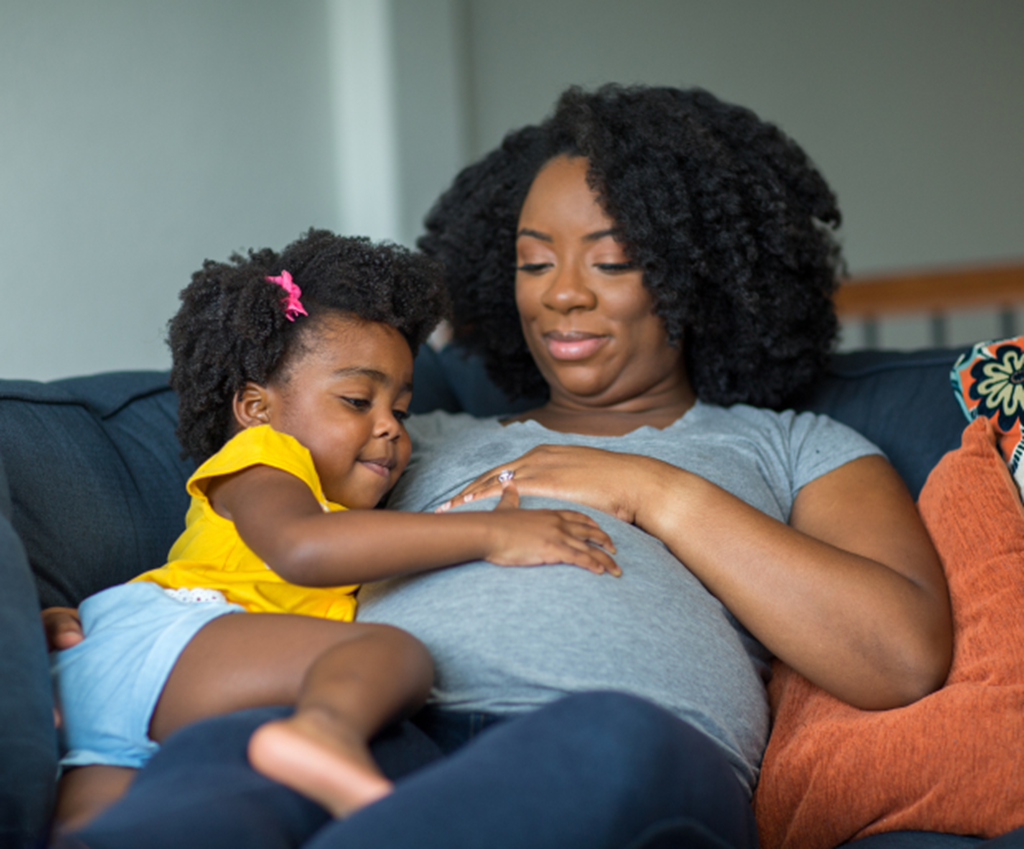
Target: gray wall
913, 109
137, 139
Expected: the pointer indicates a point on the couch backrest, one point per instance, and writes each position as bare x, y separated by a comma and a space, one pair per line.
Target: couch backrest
903, 402
95, 486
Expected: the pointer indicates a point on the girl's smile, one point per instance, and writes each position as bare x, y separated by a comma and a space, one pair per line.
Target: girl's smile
382, 466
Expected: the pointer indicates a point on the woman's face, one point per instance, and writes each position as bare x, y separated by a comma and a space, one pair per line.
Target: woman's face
587, 317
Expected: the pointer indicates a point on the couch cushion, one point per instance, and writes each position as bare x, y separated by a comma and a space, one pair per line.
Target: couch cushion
900, 401
951, 761
97, 489
5, 492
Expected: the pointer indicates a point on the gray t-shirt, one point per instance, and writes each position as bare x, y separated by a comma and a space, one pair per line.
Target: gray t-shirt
506, 640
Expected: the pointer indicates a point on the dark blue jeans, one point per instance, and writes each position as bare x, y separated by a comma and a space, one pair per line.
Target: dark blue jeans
594, 771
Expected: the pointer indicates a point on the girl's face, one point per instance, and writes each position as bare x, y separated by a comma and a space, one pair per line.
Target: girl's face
344, 395
588, 318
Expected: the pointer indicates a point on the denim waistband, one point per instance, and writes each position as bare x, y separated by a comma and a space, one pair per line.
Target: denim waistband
451, 729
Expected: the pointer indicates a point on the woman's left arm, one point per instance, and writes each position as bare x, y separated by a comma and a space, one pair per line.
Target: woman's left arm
850, 594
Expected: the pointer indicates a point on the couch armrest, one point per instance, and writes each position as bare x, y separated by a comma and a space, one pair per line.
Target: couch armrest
28, 742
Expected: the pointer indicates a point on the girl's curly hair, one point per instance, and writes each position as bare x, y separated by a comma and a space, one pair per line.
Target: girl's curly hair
727, 217
231, 327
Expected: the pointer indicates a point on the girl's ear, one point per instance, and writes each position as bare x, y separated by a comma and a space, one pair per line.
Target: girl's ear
251, 405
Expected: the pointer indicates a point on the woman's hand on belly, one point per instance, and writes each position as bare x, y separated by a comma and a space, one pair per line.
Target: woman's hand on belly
609, 481
546, 537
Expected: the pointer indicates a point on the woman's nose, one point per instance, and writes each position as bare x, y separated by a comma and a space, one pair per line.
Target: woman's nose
569, 290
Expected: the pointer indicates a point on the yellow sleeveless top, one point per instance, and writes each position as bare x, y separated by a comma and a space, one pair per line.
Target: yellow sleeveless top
211, 554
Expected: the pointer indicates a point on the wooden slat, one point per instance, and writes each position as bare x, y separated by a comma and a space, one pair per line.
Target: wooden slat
934, 291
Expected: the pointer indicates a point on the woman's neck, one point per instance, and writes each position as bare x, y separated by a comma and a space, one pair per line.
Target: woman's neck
607, 421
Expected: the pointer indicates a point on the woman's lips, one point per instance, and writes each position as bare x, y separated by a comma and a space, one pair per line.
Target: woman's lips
572, 346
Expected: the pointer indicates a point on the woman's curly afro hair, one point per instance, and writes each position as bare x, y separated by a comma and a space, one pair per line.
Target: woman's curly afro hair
231, 327
727, 217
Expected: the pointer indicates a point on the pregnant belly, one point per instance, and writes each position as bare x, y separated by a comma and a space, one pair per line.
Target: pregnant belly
509, 639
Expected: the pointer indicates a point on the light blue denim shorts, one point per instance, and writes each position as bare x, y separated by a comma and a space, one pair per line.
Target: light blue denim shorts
108, 685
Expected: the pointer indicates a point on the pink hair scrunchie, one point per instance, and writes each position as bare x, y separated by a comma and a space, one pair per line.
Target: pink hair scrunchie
292, 304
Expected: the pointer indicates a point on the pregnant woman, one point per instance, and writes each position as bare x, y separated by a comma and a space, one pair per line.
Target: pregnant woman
643, 307
657, 266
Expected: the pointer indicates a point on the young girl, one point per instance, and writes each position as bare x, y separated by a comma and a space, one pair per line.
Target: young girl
294, 375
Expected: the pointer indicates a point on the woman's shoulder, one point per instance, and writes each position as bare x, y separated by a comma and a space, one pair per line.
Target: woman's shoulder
792, 433
788, 421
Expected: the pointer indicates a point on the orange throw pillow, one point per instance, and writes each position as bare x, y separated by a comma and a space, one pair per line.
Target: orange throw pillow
954, 761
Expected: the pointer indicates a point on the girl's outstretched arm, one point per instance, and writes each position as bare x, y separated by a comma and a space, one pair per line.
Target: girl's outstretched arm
278, 517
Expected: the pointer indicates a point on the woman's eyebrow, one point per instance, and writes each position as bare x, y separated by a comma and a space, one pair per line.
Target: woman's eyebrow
536, 234
597, 235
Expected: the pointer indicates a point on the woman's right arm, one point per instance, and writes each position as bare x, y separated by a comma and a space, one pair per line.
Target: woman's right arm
850, 593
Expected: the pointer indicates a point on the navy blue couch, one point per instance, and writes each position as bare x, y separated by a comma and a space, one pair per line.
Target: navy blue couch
92, 492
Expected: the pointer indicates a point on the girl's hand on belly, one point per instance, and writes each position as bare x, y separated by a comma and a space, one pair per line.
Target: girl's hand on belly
609, 481
545, 537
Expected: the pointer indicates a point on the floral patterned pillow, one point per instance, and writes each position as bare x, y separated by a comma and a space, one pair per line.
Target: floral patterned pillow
988, 381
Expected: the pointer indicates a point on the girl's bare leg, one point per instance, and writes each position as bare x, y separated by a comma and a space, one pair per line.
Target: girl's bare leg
347, 680
85, 791
348, 694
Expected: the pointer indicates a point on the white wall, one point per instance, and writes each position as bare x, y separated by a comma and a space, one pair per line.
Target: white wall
138, 138
431, 55
363, 89
913, 109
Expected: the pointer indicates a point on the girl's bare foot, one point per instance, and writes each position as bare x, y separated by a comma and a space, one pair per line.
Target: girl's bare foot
306, 754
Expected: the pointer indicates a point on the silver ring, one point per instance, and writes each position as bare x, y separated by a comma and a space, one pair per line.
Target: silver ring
505, 475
